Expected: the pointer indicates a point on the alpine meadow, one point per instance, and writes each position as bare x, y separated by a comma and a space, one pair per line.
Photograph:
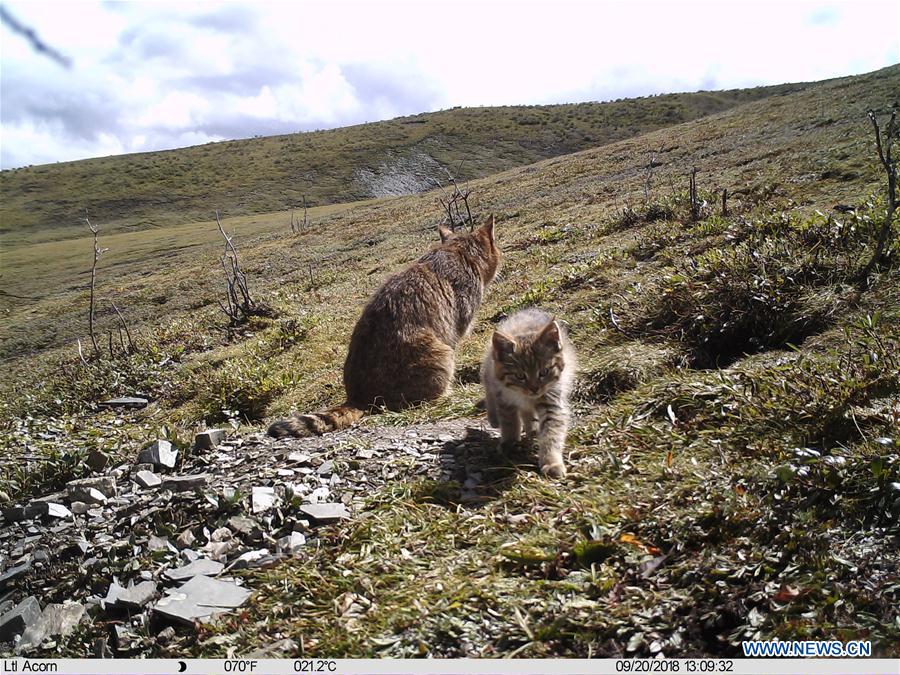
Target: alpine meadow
720, 261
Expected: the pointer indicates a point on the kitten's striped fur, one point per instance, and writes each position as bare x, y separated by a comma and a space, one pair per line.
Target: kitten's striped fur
527, 373
403, 347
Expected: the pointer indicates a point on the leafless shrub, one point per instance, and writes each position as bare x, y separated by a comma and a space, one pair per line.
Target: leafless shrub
455, 203
884, 148
97, 253
123, 326
239, 306
695, 204
296, 226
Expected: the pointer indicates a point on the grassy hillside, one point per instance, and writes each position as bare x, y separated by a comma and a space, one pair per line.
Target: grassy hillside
261, 175
734, 463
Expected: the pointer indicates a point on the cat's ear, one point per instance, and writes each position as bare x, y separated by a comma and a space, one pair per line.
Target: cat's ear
445, 232
502, 344
550, 336
488, 227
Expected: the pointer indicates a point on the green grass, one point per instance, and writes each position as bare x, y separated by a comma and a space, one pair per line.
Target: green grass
149, 191
766, 482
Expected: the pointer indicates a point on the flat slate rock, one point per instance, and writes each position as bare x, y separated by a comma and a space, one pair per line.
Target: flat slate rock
183, 483
12, 573
125, 402
63, 619
209, 439
147, 479
160, 454
91, 490
137, 596
201, 566
27, 613
326, 513
200, 599
263, 498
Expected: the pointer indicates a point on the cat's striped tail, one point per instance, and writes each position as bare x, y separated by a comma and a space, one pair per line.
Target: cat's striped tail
316, 424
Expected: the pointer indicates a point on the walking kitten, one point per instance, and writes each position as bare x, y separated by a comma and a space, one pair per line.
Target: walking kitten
527, 373
403, 347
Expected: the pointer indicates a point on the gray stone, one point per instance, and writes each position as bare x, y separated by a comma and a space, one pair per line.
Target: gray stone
12, 573
319, 495
246, 526
209, 439
147, 479
200, 599
97, 460
160, 454
219, 550
158, 543
19, 618
183, 483
221, 534
27, 512
165, 636
142, 466
325, 513
263, 498
253, 556
33, 635
298, 457
63, 619
201, 566
137, 596
189, 555
325, 468
185, 539
58, 511
291, 543
94, 490
125, 402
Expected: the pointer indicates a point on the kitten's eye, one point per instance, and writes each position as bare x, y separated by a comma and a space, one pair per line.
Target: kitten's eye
544, 372
520, 377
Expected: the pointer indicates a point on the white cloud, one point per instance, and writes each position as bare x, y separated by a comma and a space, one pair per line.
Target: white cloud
157, 75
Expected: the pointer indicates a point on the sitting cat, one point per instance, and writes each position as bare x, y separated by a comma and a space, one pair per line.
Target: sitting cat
527, 373
403, 348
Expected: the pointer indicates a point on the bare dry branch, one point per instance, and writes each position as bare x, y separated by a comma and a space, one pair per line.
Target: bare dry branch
124, 326
884, 148
97, 253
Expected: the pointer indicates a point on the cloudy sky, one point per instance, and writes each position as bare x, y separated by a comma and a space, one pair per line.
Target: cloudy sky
155, 75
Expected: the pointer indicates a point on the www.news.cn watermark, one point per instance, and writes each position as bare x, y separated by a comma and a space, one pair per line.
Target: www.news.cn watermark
806, 648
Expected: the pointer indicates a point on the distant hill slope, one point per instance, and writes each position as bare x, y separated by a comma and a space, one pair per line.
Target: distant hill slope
262, 175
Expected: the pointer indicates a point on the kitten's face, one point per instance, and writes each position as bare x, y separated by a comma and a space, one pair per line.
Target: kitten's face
529, 364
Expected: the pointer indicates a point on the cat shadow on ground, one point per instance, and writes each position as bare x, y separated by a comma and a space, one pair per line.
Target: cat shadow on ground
474, 471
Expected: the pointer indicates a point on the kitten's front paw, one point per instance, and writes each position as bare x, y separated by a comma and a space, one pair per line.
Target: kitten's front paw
555, 470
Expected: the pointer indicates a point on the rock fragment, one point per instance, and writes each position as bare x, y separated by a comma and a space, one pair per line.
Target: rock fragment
125, 402
200, 599
136, 596
24, 615
159, 453
63, 619
263, 498
96, 490
209, 439
97, 460
147, 479
201, 566
325, 514
291, 543
184, 483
